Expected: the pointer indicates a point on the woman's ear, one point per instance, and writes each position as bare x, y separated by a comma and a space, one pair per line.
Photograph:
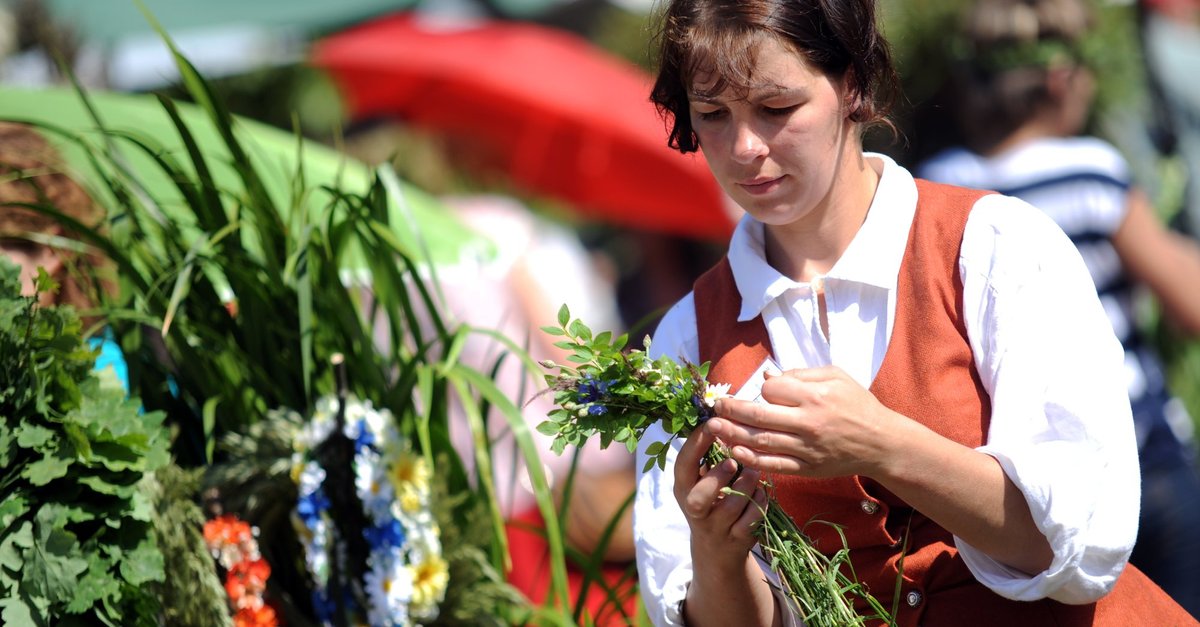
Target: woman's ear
1070, 88
1058, 81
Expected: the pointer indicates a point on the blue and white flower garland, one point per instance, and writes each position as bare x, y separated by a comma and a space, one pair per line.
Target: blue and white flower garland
407, 576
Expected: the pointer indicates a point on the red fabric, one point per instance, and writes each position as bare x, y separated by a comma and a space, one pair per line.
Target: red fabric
928, 375
558, 115
531, 575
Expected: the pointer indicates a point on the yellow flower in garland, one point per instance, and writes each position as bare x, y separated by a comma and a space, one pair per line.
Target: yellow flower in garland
431, 576
410, 468
410, 476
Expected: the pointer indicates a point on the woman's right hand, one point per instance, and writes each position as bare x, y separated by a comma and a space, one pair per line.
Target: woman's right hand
722, 524
728, 586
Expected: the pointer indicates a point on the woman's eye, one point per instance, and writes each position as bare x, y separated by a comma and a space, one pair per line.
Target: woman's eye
778, 111
708, 116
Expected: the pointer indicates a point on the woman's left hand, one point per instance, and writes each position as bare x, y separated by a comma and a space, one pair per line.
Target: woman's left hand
816, 422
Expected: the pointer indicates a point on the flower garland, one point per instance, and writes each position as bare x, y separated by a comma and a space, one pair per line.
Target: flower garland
233, 545
406, 577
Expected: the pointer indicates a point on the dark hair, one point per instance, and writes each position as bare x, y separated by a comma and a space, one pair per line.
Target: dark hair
717, 37
1003, 53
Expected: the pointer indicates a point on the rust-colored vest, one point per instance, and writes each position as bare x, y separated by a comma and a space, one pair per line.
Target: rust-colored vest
928, 374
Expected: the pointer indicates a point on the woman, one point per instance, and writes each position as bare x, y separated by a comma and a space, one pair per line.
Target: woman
1026, 90
951, 390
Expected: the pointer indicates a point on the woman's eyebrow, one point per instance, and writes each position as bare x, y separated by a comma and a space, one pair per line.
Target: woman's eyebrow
776, 91
756, 95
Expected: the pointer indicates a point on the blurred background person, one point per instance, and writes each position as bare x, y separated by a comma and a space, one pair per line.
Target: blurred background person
1024, 91
539, 266
1170, 33
32, 174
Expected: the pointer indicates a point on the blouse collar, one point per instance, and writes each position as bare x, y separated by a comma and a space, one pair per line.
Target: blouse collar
872, 258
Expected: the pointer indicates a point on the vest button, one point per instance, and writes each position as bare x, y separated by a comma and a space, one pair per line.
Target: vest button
913, 598
868, 506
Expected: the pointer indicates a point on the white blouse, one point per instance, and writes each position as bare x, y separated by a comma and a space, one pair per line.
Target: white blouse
1060, 425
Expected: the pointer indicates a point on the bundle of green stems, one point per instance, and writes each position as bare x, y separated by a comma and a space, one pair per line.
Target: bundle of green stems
821, 587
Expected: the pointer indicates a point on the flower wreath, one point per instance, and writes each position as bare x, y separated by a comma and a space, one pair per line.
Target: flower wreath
406, 577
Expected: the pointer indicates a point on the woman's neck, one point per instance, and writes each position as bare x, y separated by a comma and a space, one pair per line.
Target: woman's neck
808, 249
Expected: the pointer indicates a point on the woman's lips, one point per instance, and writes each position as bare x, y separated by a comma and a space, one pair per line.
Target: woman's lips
758, 187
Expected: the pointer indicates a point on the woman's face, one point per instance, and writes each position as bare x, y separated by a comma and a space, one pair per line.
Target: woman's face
777, 151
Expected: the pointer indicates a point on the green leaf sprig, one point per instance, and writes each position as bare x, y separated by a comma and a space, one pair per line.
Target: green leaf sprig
617, 394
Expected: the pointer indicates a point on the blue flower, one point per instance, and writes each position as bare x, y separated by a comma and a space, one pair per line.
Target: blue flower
365, 438
323, 606
389, 534
592, 389
703, 411
597, 410
310, 506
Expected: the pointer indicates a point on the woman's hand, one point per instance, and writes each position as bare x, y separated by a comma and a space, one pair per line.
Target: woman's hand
728, 587
821, 423
722, 524
817, 422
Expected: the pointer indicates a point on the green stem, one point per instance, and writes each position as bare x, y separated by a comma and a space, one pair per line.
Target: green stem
813, 581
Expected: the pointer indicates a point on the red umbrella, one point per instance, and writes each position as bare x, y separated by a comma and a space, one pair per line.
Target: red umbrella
563, 117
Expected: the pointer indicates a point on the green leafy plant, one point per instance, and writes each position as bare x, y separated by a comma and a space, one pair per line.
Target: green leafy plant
235, 285
231, 300
617, 394
76, 532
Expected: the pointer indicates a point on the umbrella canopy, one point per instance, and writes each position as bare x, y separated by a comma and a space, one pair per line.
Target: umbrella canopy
562, 117
274, 153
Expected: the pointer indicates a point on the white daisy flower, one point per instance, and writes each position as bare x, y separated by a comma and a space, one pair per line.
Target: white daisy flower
715, 392
372, 486
389, 591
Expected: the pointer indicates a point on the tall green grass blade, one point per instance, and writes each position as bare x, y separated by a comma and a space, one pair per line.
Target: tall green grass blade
206, 201
483, 461
541, 488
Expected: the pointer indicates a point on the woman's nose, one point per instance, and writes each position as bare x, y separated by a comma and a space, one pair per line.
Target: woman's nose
748, 145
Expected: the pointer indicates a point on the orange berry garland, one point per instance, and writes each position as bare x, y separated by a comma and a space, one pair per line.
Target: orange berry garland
233, 545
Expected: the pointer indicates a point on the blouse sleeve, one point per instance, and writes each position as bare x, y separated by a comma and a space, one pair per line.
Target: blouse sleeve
660, 532
1061, 426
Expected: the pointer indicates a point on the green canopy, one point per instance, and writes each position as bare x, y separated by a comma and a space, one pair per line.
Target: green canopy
419, 221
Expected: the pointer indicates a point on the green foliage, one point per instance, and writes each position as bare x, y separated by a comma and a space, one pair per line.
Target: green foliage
193, 594
240, 303
617, 394
76, 532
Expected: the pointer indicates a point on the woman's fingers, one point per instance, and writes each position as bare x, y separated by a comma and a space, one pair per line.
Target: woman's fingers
689, 458
700, 501
763, 440
772, 416
785, 464
752, 514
